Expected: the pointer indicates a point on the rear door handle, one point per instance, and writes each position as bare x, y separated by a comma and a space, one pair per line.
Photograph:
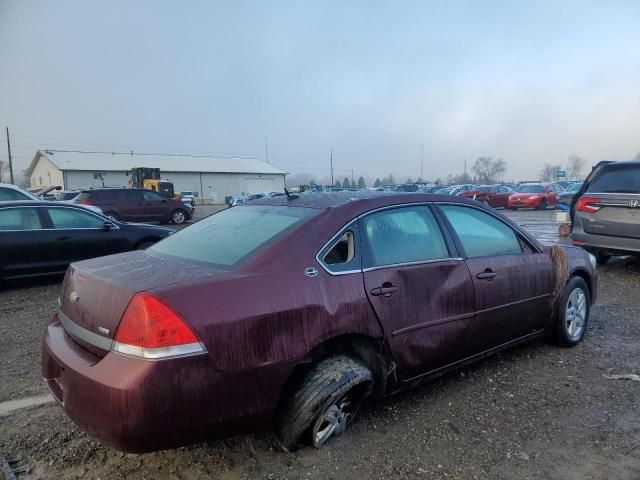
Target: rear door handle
386, 290
488, 274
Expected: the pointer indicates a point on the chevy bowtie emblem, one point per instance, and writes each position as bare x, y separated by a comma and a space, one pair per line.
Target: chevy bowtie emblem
74, 297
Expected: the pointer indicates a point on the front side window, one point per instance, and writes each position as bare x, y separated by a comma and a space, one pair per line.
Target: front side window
403, 235
481, 234
228, 237
150, 196
19, 219
71, 218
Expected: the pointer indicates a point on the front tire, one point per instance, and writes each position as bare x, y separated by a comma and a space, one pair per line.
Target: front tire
571, 316
178, 216
542, 205
326, 400
112, 216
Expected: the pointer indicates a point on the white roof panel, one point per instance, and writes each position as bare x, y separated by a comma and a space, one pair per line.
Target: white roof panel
100, 161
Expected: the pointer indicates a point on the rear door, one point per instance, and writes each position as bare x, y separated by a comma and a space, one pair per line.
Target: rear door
421, 292
512, 280
616, 202
24, 243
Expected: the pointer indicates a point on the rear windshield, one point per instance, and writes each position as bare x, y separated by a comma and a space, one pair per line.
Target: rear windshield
617, 179
485, 188
530, 189
228, 237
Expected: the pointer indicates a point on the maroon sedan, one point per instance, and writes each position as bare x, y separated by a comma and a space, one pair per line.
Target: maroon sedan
496, 196
288, 312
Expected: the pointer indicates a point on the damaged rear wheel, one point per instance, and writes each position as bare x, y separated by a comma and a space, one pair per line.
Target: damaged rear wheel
324, 403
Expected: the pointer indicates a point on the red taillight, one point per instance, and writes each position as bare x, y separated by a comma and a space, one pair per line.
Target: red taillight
85, 202
151, 329
587, 204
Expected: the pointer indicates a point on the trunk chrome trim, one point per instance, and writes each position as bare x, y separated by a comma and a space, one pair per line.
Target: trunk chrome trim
163, 353
81, 333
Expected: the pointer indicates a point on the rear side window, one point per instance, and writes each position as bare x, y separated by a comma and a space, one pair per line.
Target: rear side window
402, 235
617, 179
19, 219
66, 218
8, 194
228, 237
481, 234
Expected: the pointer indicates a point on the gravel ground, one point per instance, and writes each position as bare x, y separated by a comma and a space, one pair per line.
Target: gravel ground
531, 412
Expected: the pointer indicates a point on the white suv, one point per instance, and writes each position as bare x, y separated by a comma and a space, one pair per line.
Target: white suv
9, 192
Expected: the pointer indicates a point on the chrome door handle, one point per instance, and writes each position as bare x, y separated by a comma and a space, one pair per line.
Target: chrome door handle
488, 274
386, 290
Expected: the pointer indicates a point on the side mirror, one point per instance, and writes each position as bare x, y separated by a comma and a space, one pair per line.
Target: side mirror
107, 225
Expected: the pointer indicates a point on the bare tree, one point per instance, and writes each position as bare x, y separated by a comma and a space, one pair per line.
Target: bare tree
4, 166
549, 173
487, 170
574, 166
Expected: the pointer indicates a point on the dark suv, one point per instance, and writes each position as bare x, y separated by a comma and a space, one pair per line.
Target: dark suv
606, 210
136, 204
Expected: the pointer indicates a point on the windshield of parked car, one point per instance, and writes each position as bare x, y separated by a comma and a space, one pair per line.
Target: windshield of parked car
573, 188
485, 188
228, 237
530, 189
617, 179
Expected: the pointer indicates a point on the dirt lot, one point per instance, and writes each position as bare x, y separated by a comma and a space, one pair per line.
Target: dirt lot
532, 412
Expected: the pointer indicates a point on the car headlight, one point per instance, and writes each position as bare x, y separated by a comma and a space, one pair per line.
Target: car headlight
593, 260
533, 197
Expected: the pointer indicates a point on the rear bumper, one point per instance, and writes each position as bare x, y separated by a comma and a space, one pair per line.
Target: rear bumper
139, 405
604, 242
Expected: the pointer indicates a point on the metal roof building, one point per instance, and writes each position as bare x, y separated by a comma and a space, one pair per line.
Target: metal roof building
214, 178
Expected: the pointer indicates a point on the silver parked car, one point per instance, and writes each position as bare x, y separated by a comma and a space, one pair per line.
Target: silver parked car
606, 211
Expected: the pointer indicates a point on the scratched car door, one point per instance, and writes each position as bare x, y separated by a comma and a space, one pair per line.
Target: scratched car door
421, 292
513, 280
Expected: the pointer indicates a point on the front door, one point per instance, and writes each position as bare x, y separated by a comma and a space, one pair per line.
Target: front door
512, 280
156, 206
422, 294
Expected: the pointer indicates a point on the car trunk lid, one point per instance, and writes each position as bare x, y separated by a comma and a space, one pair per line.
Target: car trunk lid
95, 293
618, 215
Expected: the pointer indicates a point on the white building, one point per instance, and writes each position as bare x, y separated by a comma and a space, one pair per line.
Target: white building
214, 178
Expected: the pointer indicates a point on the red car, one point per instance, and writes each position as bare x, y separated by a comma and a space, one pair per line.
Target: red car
496, 196
535, 195
289, 312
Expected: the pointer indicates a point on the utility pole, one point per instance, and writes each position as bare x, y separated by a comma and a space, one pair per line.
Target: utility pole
9, 150
465, 169
266, 149
331, 159
352, 182
422, 162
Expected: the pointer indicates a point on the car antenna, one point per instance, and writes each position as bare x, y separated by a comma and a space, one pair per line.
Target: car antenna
290, 196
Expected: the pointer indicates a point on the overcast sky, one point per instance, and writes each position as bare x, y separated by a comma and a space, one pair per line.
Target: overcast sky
530, 82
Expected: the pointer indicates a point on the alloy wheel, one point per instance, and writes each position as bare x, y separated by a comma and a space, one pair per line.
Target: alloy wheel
575, 313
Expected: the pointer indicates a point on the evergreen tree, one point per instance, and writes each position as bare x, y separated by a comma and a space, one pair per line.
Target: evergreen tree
337, 184
345, 183
377, 183
361, 183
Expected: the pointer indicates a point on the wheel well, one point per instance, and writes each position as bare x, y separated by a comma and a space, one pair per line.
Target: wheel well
146, 240
366, 349
587, 279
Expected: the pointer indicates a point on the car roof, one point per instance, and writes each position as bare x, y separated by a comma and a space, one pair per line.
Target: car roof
37, 203
364, 199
